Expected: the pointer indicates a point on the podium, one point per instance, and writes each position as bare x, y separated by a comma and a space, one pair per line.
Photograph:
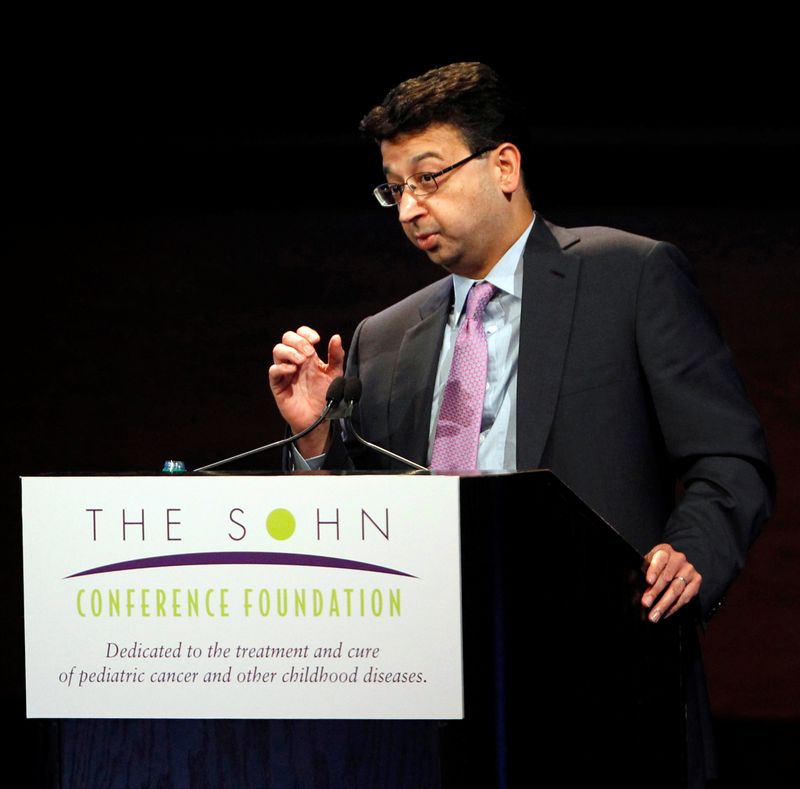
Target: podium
582, 685
563, 675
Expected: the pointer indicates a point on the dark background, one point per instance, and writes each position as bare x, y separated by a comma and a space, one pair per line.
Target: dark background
164, 221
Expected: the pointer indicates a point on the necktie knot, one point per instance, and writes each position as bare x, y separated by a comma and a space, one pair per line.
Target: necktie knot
478, 297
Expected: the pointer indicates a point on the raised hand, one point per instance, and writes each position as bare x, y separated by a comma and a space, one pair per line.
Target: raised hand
299, 380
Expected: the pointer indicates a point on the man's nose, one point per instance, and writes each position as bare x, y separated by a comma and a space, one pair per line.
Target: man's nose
410, 207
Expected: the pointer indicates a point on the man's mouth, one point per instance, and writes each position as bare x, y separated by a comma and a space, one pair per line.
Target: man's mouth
426, 241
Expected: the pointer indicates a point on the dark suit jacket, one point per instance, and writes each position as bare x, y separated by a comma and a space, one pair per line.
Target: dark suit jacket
624, 387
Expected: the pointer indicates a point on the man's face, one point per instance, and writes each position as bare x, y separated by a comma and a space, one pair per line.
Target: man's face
462, 225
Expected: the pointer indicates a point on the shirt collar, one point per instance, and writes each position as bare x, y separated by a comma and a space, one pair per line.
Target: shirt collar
506, 274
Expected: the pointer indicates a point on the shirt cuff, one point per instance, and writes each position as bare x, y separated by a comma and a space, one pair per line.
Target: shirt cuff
299, 463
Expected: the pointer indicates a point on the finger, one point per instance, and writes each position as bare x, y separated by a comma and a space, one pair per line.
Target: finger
309, 334
654, 592
659, 574
278, 373
676, 595
283, 353
299, 342
666, 601
658, 559
336, 355
690, 590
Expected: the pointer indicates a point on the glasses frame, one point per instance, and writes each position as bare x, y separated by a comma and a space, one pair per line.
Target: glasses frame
398, 189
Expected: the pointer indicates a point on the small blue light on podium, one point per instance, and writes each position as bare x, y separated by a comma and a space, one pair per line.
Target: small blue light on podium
174, 467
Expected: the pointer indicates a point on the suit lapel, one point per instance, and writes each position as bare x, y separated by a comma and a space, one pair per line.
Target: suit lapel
415, 374
549, 289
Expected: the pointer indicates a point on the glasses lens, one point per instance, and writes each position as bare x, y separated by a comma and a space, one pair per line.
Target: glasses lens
388, 194
422, 183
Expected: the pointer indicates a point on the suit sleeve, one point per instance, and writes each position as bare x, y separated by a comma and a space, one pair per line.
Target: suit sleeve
712, 435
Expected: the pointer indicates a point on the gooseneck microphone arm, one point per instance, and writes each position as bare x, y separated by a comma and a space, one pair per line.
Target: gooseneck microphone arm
332, 398
351, 396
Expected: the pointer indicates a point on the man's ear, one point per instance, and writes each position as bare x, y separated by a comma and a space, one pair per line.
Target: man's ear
509, 167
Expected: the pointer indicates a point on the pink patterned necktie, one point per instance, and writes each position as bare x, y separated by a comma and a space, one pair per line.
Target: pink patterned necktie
455, 446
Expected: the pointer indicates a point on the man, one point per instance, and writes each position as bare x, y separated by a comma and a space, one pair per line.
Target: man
599, 359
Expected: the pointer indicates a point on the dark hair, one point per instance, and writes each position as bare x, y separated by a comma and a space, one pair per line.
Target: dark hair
470, 96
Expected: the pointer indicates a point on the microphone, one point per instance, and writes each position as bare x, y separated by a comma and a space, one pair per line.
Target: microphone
333, 397
351, 396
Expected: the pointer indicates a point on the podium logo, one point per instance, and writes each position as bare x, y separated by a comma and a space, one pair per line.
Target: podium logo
321, 524
280, 525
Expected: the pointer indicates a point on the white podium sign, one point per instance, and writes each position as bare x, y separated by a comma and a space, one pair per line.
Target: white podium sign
242, 597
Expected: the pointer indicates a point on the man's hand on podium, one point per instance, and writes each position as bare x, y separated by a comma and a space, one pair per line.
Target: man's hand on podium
672, 581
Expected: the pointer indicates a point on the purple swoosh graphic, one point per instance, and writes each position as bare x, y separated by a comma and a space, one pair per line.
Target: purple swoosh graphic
241, 557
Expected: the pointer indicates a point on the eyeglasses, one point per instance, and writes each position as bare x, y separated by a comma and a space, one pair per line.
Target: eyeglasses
419, 183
